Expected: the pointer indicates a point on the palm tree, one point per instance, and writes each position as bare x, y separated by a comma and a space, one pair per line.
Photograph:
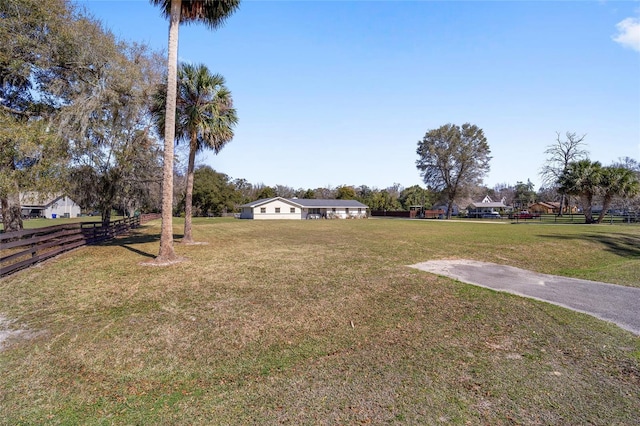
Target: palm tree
617, 181
213, 14
204, 118
582, 178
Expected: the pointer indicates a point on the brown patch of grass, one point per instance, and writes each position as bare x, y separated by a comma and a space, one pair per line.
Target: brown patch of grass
256, 328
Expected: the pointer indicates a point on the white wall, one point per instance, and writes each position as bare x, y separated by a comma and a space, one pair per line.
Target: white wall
298, 213
270, 211
341, 213
62, 206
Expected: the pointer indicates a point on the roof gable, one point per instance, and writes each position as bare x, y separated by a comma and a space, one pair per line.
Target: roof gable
546, 204
264, 201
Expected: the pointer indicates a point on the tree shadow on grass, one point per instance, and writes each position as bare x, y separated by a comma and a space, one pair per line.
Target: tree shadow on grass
623, 245
134, 238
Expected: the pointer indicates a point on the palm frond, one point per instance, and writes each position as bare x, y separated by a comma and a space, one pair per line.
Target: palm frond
212, 13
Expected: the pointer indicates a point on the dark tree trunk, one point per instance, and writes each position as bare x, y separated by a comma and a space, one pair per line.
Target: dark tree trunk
449, 209
451, 197
106, 215
563, 199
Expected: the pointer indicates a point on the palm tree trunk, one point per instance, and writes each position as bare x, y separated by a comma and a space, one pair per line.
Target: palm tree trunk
587, 207
188, 200
606, 202
167, 253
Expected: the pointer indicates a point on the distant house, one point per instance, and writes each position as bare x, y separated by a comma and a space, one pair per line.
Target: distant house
544, 208
302, 208
34, 204
486, 207
550, 208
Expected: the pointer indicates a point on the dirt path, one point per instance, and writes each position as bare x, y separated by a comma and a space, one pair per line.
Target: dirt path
609, 302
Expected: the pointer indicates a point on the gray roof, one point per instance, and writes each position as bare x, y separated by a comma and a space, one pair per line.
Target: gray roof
310, 203
37, 199
496, 205
313, 202
259, 202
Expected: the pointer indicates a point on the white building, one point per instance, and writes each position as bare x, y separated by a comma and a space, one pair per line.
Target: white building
487, 207
34, 204
303, 208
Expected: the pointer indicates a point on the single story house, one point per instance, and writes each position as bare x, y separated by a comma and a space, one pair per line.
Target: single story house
302, 208
544, 208
550, 208
34, 204
486, 206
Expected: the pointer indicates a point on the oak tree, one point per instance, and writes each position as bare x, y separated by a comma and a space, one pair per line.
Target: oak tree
36, 70
452, 158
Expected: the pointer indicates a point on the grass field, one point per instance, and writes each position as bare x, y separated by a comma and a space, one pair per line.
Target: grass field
319, 322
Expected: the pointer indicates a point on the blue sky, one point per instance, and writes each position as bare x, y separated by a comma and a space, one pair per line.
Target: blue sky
334, 93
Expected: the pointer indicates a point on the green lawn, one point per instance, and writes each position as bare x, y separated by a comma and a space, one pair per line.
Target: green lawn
319, 322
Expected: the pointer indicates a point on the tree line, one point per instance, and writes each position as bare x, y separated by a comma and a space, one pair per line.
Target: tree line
216, 193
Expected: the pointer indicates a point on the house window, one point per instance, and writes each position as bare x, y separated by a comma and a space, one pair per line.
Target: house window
277, 209
263, 209
333, 209
292, 210
359, 209
346, 210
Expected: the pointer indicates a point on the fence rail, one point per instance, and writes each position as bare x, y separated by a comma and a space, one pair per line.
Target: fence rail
413, 214
22, 249
567, 218
578, 218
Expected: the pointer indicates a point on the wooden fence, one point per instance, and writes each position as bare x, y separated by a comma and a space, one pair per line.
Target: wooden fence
413, 214
22, 249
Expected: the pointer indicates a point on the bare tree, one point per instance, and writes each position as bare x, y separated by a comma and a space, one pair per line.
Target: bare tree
327, 193
559, 155
284, 191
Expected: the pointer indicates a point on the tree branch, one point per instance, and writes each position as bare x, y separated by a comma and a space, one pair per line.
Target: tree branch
15, 111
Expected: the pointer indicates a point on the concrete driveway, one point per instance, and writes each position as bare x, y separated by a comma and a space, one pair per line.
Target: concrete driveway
610, 302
